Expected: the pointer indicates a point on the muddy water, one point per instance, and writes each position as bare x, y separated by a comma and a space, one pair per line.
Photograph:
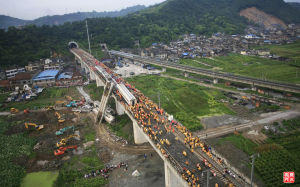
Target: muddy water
151, 171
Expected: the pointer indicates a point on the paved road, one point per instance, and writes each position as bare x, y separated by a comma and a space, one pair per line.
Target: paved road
266, 119
84, 94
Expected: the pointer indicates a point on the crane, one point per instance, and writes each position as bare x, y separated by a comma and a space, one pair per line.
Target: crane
38, 127
64, 141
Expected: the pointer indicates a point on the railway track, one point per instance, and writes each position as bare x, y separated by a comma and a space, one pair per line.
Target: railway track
214, 74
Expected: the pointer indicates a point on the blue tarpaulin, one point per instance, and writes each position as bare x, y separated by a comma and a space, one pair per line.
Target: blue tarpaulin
47, 74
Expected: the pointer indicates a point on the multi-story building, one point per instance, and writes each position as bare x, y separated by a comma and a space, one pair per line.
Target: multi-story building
12, 72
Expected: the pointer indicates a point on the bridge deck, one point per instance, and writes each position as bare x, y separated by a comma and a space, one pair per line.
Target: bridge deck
155, 125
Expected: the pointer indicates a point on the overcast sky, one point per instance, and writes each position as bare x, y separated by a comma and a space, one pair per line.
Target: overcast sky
31, 9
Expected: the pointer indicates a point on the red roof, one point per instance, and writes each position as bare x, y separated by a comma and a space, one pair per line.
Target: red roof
21, 76
4, 83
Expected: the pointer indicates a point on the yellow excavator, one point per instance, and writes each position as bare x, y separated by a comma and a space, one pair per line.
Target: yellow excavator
38, 127
59, 118
69, 98
14, 110
64, 141
50, 108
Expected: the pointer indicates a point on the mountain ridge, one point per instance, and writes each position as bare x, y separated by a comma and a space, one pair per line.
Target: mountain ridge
159, 23
7, 21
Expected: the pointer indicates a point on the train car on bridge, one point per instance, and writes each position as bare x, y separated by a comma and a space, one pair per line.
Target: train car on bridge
127, 95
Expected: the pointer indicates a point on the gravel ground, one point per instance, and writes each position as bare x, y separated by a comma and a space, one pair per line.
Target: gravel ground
217, 121
151, 171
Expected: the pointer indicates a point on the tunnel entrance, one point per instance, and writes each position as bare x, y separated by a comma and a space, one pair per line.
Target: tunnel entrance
72, 45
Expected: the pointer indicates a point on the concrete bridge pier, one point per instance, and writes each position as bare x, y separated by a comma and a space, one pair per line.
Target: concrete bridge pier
215, 81
119, 108
81, 65
92, 75
172, 179
139, 136
99, 82
186, 74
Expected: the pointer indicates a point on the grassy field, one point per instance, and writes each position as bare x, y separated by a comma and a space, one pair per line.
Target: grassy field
255, 67
72, 172
123, 128
240, 142
281, 153
187, 102
46, 98
286, 71
290, 51
193, 62
42, 178
13, 147
94, 91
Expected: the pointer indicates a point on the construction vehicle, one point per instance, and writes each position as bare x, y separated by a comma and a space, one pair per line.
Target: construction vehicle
69, 98
14, 110
72, 104
62, 150
65, 140
245, 97
50, 108
62, 130
59, 118
38, 127
60, 103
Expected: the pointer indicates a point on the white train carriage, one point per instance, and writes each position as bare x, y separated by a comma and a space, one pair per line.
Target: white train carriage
104, 74
127, 95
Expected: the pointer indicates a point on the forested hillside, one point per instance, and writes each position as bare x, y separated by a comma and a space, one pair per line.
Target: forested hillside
160, 23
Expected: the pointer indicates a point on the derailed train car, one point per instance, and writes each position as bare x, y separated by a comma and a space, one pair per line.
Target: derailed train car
127, 95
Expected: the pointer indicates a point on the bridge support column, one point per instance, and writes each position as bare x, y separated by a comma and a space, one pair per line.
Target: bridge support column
215, 81
173, 179
92, 75
164, 69
99, 83
119, 108
186, 74
139, 137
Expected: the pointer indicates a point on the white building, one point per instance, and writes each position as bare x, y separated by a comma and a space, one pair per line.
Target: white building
12, 72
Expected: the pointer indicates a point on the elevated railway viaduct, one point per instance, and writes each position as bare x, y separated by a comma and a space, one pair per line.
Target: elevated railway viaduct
254, 82
168, 138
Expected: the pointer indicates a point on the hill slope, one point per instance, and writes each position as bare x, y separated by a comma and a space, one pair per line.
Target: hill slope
261, 18
159, 23
6, 21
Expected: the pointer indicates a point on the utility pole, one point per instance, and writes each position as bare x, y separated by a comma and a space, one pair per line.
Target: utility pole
207, 178
158, 99
252, 168
87, 32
